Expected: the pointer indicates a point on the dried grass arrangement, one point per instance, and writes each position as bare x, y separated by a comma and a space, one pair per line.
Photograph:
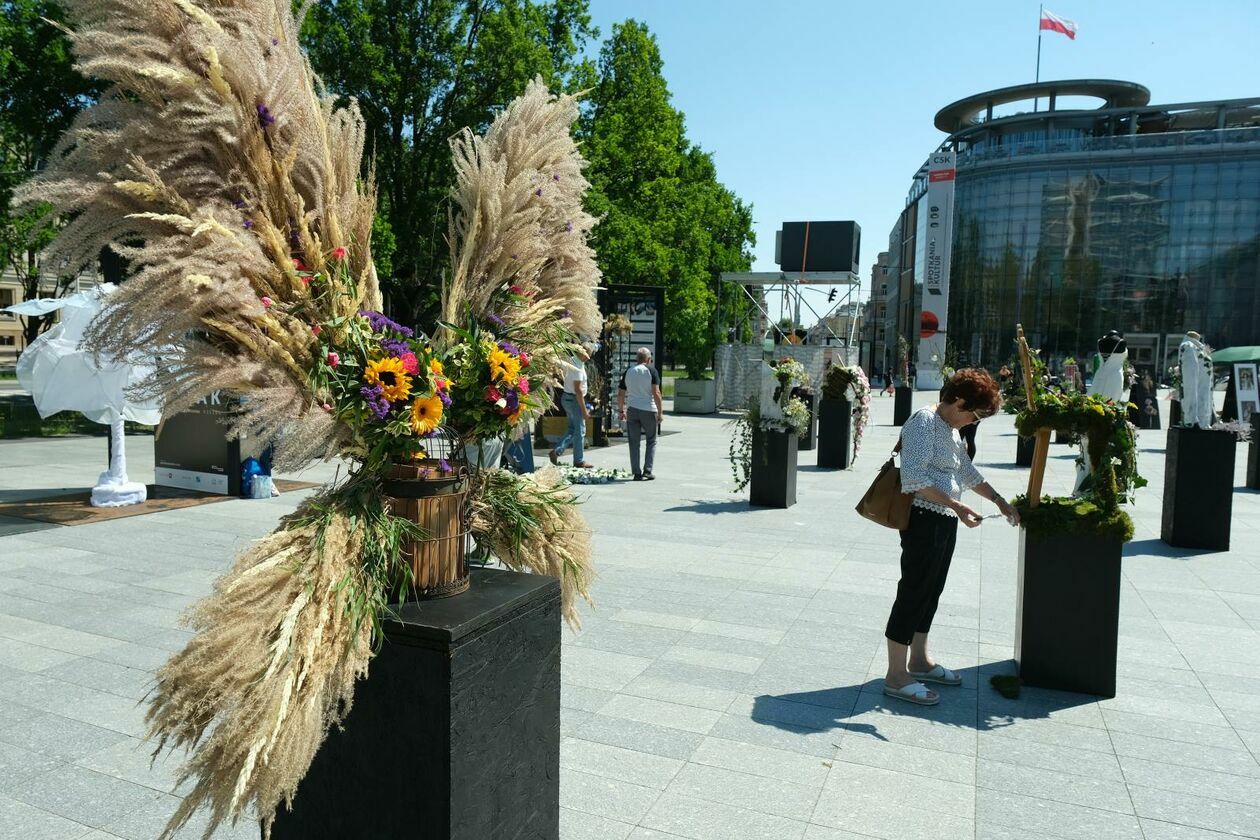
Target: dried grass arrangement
233, 185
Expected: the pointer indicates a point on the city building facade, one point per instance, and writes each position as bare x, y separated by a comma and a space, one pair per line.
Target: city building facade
1073, 221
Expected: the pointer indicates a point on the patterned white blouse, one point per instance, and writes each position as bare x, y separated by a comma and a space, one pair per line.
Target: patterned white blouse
933, 455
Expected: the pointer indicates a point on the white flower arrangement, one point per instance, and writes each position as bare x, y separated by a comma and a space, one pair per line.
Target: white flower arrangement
578, 475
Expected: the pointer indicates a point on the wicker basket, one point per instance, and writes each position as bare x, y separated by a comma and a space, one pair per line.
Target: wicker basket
438, 503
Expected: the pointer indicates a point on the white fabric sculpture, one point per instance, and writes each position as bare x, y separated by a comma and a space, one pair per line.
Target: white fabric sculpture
770, 408
1110, 384
61, 376
1195, 358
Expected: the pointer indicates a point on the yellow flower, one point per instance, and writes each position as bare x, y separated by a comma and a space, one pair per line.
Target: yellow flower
426, 414
435, 366
504, 367
391, 375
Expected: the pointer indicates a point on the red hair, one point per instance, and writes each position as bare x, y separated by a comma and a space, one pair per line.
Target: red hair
976, 388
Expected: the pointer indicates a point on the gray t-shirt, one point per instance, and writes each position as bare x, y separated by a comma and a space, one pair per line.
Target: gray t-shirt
637, 382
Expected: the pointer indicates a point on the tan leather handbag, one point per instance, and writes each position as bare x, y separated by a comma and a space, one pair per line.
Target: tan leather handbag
884, 503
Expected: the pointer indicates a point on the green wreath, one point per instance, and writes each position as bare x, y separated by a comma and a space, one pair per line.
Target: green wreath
1112, 453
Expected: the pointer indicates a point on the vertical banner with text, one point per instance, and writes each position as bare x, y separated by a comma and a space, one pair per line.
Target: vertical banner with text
933, 320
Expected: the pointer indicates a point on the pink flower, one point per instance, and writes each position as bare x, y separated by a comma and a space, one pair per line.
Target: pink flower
523, 385
524, 357
339, 253
326, 407
266, 302
409, 362
316, 329
306, 279
333, 358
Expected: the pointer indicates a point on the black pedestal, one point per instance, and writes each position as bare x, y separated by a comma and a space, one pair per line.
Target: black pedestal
1253, 454
1198, 488
902, 405
1024, 451
808, 440
455, 734
773, 482
1174, 414
1067, 613
835, 434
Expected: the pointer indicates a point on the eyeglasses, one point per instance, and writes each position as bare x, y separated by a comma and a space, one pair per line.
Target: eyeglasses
980, 413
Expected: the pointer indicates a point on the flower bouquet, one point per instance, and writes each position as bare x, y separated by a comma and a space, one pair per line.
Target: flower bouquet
235, 187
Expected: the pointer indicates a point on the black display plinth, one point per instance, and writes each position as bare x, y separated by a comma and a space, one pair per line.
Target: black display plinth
1253, 454
455, 734
1174, 414
810, 438
773, 481
1024, 451
1067, 612
902, 405
835, 434
1198, 488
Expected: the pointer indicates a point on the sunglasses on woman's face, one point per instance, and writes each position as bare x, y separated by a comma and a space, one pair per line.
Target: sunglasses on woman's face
980, 413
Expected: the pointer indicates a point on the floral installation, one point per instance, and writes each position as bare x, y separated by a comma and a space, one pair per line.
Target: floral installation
1112, 452
578, 475
849, 382
234, 185
789, 376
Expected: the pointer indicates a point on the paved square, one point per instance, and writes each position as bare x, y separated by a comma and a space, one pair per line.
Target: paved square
727, 684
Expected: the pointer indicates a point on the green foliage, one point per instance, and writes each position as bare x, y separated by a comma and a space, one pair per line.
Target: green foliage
1066, 515
420, 71
739, 451
666, 219
1007, 685
40, 94
839, 382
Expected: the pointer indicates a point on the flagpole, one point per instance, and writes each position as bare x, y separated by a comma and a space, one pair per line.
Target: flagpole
1040, 12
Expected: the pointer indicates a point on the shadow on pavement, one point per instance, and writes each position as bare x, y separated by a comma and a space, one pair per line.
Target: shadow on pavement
858, 708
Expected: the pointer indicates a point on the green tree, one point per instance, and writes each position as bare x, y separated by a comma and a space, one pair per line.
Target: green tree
40, 94
420, 71
666, 219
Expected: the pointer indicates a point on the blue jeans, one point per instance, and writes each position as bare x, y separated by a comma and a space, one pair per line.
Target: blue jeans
576, 431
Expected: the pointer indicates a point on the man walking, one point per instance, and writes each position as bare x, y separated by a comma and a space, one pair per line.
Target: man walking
641, 388
573, 402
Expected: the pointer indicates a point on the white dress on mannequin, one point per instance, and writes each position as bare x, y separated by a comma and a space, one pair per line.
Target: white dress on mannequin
1196, 382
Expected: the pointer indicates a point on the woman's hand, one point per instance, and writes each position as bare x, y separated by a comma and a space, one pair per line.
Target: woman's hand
966, 515
1008, 510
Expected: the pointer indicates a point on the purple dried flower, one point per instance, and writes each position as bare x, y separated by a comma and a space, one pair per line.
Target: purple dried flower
555, 177
249, 224
375, 399
380, 323
264, 116
538, 192
275, 42
445, 398
238, 204
568, 226
444, 466
395, 347
512, 399
566, 314
495, 319
509, 347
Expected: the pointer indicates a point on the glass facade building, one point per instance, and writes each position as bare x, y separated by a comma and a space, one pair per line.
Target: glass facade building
1140, 218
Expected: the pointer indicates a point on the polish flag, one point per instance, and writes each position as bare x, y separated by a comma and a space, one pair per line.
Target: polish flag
1051, 21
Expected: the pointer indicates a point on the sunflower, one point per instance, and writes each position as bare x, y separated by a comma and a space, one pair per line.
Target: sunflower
391, 375
504, 367
426, 414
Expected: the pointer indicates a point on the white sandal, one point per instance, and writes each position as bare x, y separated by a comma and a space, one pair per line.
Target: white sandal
915, 692
939, 674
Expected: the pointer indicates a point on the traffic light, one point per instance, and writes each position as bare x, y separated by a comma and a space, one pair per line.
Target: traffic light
831, 296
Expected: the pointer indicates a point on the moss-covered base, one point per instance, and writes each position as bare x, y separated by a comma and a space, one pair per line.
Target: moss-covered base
1061, 515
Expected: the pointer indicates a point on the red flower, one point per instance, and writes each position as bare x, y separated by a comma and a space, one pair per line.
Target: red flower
410, 364
339, 253
333, 358
298, 265
524, 357
316, 329
493, 395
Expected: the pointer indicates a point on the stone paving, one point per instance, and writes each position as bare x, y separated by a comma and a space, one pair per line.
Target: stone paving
726, 686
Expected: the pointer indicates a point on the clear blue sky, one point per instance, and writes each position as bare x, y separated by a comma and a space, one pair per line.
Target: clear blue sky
822, 109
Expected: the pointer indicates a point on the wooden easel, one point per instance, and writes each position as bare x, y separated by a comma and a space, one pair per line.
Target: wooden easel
1041, 447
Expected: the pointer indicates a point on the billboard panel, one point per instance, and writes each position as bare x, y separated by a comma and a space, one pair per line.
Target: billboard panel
938, 205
